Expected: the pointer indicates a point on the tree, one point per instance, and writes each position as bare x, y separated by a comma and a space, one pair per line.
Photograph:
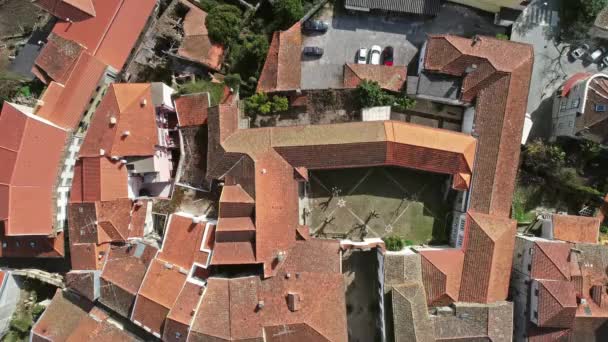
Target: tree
288, 12
371, 95
404, 103
262, 105
224, 23
544, 158
256, 47
233, 81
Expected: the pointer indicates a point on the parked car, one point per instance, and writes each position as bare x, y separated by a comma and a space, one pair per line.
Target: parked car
315, 26
374, 55
362, 56
595, 55
580, 51
387, 56
313, 51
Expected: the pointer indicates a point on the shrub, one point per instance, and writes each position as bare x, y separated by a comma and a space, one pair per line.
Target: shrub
502, 36
260, 104
395, 243
404, 103
37, 310
288, 12
224, 23
233, 81
604, 229
21, 324
371, 95
544, 158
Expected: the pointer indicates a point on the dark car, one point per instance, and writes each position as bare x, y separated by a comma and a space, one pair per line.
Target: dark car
313, 51
315, 26
387, 56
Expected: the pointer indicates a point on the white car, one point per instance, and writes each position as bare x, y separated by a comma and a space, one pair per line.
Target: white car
374, 55
362, 56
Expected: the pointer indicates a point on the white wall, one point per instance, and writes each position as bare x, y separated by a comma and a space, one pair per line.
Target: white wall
9, 296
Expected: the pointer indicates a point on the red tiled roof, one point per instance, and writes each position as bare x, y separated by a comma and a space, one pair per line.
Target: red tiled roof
556, 304
74, 10
126, 269
181, 314
574, 80
158, 292
233, 253
130, 104
30, 153
87, 256
550, 261
58, 58
192, 109
500, 85
113, 32
98, 179
67, 319
388, 77
196, 45
68, 106
276, 151
575, 229
282, 69
488, 249
183, 242
441, 272
228, 308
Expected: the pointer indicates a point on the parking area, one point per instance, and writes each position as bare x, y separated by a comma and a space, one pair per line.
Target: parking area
345, 36
349, 31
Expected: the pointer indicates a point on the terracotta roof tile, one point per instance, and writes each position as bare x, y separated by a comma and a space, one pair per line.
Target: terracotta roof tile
551, 261
28, 145
282, 67
75, 10
126, 266
499, 118
132, 107
388, 77
233, 253
62, 317
488, 249
58, 58
157, 294
556, 304
181, 314
183, 242
441, 272
233, 302
99, 179
576, 228
113, 32
192, 109
67, 110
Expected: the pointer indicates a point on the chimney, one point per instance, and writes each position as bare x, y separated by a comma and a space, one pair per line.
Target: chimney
115, 158
144, 102
123, 161
126, 133
260, 305
137, 204
293, 301
102, 152
112, 120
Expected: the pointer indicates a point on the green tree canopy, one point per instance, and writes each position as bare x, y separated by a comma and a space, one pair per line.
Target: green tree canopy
260, 103
288, 12
224, 23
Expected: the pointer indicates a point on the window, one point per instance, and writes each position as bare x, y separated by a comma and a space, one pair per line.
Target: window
571, 123
536, 292
563, 105
529, 267
576, 103
600, 107
535, 314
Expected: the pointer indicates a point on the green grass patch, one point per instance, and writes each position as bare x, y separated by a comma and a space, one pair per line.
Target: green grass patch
378, 202
215, 90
